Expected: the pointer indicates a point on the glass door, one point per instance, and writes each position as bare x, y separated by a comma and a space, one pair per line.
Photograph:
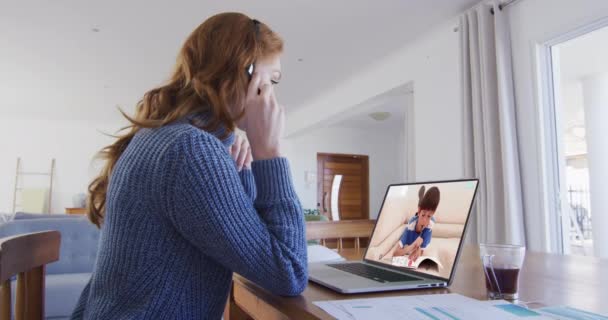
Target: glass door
580, 89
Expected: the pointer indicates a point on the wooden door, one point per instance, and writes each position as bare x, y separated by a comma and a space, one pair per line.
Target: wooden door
353, 191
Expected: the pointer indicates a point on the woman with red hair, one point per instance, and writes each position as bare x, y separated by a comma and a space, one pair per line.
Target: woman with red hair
182, 203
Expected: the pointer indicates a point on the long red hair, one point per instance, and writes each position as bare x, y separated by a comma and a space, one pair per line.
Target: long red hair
210, 76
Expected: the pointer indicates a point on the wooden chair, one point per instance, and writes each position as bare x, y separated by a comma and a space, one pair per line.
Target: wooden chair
345, 229
26, 256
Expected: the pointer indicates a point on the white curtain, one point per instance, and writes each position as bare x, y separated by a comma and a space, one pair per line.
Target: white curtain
489, 128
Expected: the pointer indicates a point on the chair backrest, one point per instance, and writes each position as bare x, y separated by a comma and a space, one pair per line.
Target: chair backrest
25, 256
79, 241
344, 229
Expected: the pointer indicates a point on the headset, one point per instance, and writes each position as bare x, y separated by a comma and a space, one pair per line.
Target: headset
250, 71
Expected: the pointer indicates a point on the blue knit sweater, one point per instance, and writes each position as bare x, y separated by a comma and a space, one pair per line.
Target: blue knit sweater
180, 220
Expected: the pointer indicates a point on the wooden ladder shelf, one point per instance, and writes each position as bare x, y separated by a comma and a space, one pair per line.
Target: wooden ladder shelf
19, 174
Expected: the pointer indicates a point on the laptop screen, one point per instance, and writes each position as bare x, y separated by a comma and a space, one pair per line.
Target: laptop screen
420, 226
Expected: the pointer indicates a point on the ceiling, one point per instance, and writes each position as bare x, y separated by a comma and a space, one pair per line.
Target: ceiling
394, 101
54, 66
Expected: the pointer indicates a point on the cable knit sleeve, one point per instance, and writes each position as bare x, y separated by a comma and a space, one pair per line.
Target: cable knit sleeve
264, 240
79, 310
248, 182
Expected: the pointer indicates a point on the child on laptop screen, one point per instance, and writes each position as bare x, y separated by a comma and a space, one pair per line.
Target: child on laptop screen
418, 233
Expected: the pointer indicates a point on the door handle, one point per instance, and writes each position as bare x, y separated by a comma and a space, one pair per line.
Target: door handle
325, 201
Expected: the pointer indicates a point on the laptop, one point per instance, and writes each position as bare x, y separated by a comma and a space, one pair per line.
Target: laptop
386, 265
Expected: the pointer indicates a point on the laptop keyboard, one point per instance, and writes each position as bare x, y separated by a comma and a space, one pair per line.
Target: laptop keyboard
372, 273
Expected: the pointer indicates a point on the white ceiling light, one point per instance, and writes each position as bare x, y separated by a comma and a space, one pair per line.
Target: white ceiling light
380, 116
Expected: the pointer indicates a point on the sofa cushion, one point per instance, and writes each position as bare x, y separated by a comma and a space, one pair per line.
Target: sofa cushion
6, 217
62, 293
387, 244
79, 241
447, 230
29, 215
445, 249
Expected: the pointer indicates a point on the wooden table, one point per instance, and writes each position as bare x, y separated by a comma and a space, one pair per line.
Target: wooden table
546, 279
76, 210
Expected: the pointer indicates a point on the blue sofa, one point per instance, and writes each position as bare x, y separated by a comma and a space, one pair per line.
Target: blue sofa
65, 278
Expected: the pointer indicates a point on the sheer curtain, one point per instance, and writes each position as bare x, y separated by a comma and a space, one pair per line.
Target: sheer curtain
489, 128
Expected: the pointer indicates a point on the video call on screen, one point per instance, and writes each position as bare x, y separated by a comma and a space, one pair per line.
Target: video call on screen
426, 221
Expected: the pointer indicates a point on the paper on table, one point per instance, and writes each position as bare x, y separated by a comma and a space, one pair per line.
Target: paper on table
319, 253
516, 310
552, 313
421, 307
568, 313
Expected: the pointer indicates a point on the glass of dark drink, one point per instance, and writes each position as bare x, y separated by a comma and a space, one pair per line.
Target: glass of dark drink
501, 265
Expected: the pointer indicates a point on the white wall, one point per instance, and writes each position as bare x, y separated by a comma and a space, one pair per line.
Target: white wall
382, 148
432, 63
72, 143
535, 22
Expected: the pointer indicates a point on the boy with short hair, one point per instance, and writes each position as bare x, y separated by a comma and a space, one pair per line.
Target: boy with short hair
418, 233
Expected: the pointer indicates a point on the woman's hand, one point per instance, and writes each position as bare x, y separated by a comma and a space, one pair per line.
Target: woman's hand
241, 153
264, 119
